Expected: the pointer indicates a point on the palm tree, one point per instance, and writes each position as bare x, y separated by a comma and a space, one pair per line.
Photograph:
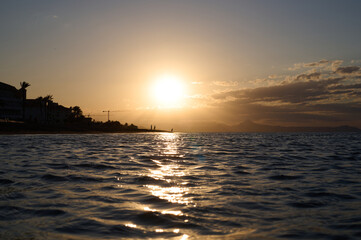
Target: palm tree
48, 99
76, 112
41, 102
23, 86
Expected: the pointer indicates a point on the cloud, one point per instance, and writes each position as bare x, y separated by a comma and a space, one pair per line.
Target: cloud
296, 66
273, 76
197, 83
309, 76
348, 70
226, 83
316, 64
335, 64
325, 64
324, 97
296, 92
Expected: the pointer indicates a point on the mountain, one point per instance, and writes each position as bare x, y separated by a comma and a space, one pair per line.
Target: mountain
249, 126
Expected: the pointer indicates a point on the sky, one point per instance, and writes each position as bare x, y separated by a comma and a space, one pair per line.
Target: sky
191, 63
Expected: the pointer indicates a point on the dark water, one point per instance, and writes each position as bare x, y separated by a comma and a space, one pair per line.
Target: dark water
181, 186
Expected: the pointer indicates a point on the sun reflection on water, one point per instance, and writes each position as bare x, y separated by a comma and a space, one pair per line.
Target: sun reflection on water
184, 237
169, 170
165, 171
171, 194
177, 213
131, 225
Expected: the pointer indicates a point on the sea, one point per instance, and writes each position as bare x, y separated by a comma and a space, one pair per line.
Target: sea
181, 186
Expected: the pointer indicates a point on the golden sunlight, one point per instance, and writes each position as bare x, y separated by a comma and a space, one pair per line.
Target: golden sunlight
168, 91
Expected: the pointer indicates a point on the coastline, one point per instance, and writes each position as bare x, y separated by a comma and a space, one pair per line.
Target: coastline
73, 132
20, 131
21, 128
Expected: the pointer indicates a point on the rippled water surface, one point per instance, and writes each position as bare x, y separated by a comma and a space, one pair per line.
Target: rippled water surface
181, 186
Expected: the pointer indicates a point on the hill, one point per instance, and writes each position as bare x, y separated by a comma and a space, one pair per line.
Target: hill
250, 126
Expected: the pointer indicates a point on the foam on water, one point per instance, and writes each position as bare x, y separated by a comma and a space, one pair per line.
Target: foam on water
180, 186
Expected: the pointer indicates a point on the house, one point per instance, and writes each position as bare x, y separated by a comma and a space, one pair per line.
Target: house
46, 112
57, 114
11, 107
35, 111
14, 106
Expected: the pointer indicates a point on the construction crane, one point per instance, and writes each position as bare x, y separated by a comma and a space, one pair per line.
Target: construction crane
89, 115
108, 111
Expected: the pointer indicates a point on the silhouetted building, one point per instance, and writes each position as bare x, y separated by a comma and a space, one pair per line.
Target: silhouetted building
10, 103
46, 112
35, 111
57, 114
14, 106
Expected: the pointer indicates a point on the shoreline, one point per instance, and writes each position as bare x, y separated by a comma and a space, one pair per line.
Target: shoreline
11, 128
22, 132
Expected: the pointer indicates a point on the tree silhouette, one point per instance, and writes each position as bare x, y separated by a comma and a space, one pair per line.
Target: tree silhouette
48, 98
76, 112
45, 103
24, 85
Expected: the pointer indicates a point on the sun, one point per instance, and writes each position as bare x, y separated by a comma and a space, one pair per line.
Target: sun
168, 91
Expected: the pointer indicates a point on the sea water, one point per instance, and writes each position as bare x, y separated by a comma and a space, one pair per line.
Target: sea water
181, 186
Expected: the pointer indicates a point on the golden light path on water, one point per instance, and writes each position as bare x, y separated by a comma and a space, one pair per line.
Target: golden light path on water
167, 170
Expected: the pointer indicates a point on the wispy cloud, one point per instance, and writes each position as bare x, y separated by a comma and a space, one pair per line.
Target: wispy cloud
308, 76
225, 83
325, 64
350, 70
335, 64
296, 66
273, 76
296, 92
316, 64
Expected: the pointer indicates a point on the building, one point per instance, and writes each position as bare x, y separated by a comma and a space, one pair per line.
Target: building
14, 107
57, 114
11, 103
46, 112
35, 111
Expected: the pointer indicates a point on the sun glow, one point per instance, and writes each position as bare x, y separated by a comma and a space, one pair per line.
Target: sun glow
168, 91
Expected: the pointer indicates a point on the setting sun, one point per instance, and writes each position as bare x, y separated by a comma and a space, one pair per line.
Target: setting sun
168, 91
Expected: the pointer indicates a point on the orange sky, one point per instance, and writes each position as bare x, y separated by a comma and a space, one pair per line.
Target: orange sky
274, 62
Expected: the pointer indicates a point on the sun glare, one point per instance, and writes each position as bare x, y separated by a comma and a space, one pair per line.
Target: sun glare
168, 91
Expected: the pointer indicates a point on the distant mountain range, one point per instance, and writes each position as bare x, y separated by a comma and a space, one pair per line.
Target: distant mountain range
249, 126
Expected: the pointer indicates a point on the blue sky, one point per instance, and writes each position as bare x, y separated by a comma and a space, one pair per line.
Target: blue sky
104, 54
